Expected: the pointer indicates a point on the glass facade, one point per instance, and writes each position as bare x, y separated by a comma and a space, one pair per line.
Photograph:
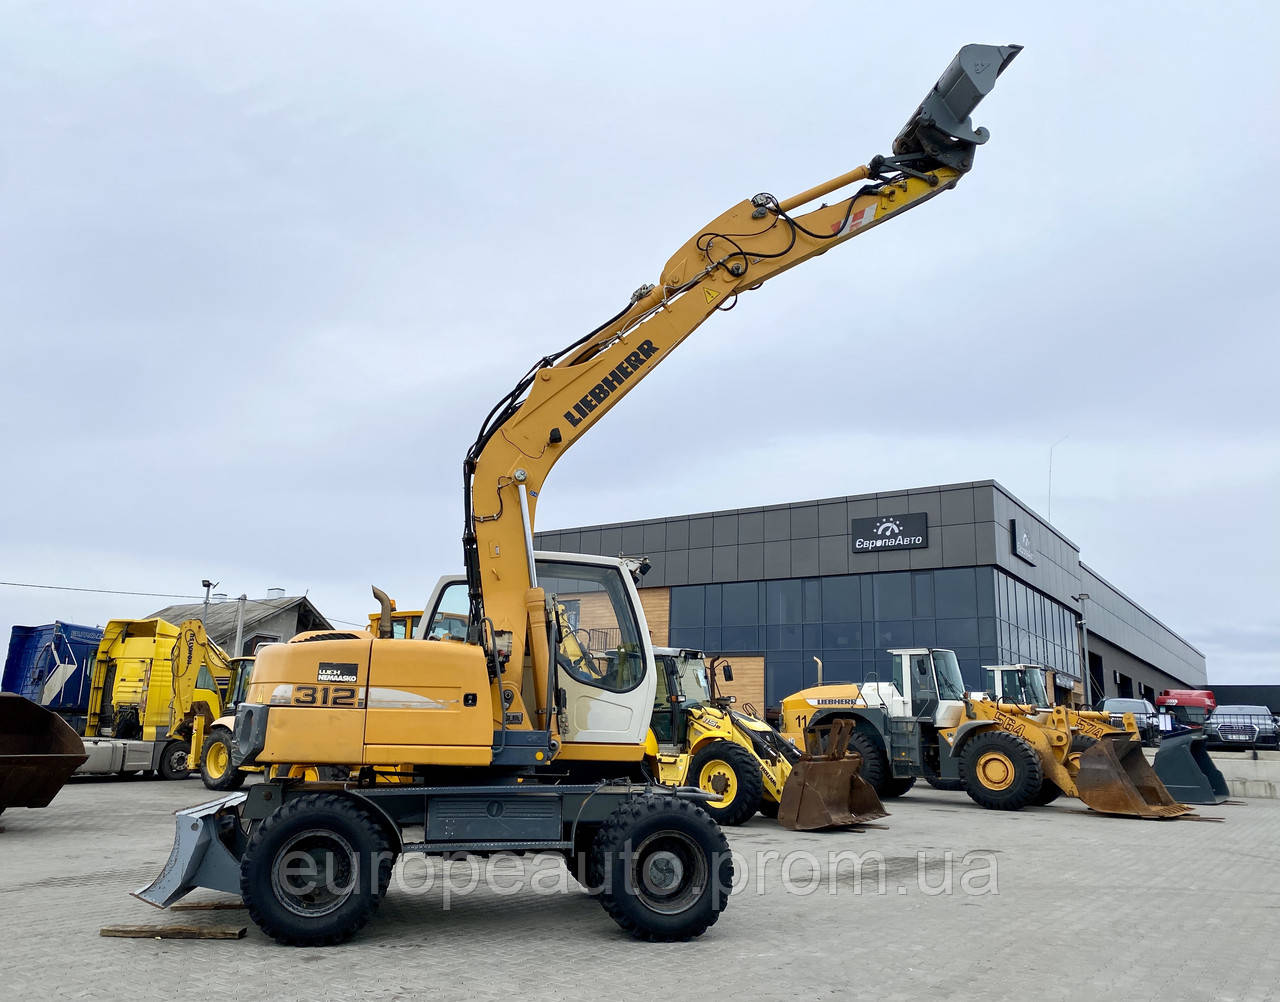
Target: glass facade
851, 621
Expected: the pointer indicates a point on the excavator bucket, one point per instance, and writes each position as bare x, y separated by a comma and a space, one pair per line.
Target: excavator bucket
939, 131
825, 788
207, 845
1115, 778
1187, 772
38, 753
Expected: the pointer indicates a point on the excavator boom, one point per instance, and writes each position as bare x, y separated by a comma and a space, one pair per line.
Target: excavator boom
563, 395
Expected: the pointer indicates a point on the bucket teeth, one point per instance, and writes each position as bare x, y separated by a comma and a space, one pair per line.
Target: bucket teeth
1115, 778
825, 788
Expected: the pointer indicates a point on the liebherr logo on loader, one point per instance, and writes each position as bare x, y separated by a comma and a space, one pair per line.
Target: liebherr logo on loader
618, 375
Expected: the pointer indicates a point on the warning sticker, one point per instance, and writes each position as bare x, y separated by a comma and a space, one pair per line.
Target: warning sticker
711, 295
863, 216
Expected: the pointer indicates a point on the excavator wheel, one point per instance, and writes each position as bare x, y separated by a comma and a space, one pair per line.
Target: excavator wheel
216, 769
1001, 771
579, 860
731, 772
896, 786
662, 867
315, 870
175, 760
875, 763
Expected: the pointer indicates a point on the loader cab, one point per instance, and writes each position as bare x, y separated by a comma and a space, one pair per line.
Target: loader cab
682, 681
1023, 684
927, 683
238, 682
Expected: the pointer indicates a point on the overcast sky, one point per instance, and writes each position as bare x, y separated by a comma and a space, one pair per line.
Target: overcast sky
266, 267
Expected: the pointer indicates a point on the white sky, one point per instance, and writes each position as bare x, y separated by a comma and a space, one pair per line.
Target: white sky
267, 266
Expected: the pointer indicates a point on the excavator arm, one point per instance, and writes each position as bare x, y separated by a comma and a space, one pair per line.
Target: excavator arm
563, 395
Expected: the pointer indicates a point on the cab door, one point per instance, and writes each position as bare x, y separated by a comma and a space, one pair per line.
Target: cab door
924, 686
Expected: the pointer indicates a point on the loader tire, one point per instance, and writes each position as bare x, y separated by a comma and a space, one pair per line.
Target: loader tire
174, 761
896, 786
950, 785
875, 763
1001, 771
662, 867
769, 808
1049, 792
329, 899
216, 768
728, 769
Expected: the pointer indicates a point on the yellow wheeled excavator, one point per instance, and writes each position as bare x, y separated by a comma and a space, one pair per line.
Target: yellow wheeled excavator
507, 730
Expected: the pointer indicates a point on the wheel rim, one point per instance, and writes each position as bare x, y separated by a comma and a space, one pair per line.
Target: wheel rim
995, 770
217, 760
718, 777
178, 760
669, 872
313, 874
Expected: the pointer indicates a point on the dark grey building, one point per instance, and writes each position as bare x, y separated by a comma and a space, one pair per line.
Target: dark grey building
964, 566
266, 620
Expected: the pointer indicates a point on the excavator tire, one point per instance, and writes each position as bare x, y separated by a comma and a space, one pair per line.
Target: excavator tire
175, 760
662, 867
579, 860
216, 769
875, 763
1001, 771
896, 786
332, 901
731, 771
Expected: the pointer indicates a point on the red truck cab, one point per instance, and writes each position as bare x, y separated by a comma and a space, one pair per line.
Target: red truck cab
1190, 707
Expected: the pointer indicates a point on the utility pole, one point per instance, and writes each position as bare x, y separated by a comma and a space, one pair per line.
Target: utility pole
1084, 647
239, 625
208, 587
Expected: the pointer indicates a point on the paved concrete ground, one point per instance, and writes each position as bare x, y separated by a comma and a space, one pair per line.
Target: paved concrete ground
1082, 906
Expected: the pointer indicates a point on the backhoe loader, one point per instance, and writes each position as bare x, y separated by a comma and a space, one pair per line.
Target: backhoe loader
508, 730
922, 723
1182, 763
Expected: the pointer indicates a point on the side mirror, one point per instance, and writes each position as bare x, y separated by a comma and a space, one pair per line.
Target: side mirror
728, 673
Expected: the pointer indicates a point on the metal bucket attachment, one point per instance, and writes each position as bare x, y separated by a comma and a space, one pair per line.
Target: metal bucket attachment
207, 845
939, 132
38, 753
1187, 772
1115, 778
825, 788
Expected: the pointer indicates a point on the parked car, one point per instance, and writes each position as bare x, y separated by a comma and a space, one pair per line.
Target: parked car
1144, 714
1242, 726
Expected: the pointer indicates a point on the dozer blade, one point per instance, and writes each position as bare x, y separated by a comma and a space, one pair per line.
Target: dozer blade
1114, 778
1187, 772
38, 753
206, 853
825, 788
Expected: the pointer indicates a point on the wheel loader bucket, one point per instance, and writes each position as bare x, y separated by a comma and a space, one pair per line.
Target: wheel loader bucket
825, 788
1115, 778
207, 845
1187, 772
38, 753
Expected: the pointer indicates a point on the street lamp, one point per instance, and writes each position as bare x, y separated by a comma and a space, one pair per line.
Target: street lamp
1084, 644
208, 587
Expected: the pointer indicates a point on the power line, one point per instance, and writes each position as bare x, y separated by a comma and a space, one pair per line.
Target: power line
97, 591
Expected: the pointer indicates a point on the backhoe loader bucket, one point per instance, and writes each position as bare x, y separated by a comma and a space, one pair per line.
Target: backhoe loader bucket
207, 845
1114, 778
825, 789
1187, 772
38, 753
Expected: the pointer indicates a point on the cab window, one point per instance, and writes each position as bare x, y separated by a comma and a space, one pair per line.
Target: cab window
603, 648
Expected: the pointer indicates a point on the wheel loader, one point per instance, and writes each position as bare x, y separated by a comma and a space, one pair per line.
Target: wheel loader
500, 737
1182, 763
923, 724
